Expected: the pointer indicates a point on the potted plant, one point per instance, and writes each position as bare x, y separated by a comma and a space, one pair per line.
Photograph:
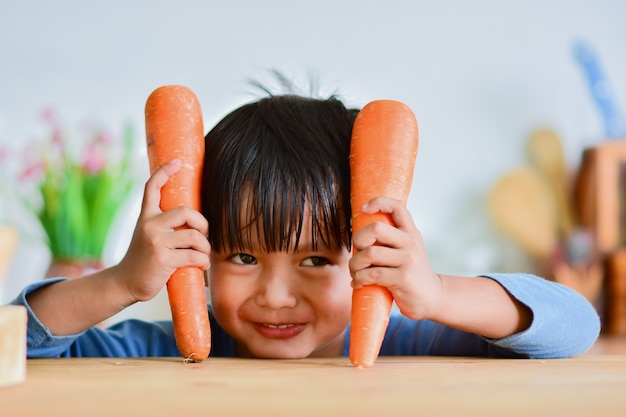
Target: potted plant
76, 189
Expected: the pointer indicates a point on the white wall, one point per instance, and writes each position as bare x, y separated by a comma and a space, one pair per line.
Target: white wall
479, 76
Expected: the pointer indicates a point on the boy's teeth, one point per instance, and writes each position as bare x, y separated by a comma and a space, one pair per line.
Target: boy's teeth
278, 326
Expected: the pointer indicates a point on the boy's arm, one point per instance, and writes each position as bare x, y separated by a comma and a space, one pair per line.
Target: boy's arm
564, 324
481, 306
517, 311
72, 306
395, 257
158, 247
130, 338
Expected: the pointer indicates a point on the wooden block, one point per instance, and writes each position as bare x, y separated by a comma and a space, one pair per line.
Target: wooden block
12, 345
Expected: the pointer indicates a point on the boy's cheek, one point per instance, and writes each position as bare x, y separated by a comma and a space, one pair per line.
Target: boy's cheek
225, 306
217, 278
224, 295
223, 292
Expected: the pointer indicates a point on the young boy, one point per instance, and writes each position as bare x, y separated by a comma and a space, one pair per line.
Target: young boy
276, 213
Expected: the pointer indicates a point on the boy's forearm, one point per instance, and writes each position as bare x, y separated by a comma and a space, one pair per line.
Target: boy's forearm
481, 306
72, 306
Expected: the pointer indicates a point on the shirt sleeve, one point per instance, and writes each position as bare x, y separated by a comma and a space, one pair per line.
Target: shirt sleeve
564, 324
131, 338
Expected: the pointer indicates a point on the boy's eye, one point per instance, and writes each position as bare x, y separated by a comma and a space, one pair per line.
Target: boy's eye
315, 261
243, 259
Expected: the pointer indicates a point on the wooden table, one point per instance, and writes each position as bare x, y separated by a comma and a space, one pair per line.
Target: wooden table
591, 385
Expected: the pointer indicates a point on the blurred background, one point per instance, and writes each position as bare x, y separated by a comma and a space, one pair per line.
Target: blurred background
480, 75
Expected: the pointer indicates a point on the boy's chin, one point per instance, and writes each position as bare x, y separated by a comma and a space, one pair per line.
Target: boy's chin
280, 355
267, 353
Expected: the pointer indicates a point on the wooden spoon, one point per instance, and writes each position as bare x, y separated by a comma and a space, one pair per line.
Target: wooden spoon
522, 206
545, 151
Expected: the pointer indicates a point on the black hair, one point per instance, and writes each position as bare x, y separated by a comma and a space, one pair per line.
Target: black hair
269, 161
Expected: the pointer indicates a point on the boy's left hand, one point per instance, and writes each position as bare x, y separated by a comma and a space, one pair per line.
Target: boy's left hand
395, 257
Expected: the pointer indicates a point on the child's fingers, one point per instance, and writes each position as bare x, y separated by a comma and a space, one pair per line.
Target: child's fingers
169, 259
176, 234
184, 216
396, 208
380, 234
189, 257
179, 248
383, 265
379, 275
377, 255
152, 191
402, 233
410, 279
189, 239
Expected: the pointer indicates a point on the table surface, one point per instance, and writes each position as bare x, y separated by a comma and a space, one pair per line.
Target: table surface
593, 384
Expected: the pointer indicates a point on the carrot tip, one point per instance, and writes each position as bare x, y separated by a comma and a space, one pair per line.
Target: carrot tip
191, 359
363, 365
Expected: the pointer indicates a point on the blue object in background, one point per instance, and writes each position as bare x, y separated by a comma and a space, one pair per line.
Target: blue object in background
614, 125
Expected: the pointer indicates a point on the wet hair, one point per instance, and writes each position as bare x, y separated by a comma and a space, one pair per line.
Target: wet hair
270, 163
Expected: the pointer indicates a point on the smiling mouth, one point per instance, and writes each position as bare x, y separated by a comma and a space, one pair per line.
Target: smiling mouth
279, 331
278, 326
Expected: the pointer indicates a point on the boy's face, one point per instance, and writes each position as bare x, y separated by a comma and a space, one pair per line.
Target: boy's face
292, 304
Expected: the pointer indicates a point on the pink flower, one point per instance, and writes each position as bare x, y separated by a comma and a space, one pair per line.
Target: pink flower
34, 165
93, 158
95, 153
32, 171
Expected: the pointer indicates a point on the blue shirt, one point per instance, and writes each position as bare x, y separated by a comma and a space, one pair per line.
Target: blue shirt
564, 324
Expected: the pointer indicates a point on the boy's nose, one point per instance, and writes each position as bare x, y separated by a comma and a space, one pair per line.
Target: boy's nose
275, 291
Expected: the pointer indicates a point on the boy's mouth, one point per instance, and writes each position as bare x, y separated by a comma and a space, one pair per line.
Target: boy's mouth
279, 331
278, 326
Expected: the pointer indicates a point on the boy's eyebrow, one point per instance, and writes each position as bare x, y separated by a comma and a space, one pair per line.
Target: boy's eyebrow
306, 245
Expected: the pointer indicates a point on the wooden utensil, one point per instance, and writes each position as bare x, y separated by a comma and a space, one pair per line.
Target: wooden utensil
545, 152
522, 206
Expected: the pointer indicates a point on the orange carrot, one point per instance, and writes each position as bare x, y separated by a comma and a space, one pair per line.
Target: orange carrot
382, 156
174, 130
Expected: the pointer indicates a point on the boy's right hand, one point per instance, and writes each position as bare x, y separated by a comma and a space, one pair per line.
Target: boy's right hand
162, 241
